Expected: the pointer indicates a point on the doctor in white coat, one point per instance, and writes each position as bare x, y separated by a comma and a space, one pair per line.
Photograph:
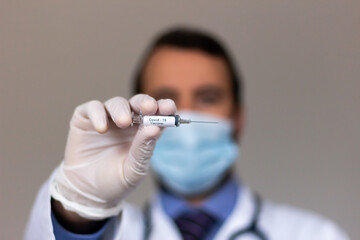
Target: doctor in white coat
199, 196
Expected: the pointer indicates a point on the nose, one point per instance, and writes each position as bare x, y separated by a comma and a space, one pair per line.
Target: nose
185, 103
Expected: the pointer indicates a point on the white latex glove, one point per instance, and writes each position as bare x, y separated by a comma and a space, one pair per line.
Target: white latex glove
105, 158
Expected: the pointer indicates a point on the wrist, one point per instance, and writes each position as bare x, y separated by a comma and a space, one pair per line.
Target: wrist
73, 222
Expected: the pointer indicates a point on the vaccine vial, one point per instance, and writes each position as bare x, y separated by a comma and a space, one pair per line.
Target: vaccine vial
156, 120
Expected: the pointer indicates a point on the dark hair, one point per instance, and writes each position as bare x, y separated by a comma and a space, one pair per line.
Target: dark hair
187, 38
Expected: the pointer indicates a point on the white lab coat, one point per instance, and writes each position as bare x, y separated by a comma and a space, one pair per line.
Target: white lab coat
277, 222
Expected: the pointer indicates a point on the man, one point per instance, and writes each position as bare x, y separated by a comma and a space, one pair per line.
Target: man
185, 72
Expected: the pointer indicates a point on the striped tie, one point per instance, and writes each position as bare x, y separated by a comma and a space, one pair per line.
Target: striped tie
194, 225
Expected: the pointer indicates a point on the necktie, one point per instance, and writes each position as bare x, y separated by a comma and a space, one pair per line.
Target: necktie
194, 225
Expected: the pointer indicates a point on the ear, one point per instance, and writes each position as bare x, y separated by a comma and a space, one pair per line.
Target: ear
239, 122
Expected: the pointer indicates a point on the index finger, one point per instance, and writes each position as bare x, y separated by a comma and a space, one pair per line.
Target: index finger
143, 103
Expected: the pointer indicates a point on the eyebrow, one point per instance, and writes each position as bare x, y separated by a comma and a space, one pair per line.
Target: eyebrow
172, 94
210, 89
167, 92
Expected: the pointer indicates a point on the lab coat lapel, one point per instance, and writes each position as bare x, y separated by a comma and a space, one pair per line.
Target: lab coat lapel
240, 217
162, 226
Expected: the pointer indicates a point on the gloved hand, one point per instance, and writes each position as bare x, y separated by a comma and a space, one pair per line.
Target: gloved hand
106, 157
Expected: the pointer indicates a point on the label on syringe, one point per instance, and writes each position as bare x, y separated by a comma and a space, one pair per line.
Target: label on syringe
161, 121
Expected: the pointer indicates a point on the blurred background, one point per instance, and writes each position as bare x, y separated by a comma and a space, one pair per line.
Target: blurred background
300, 61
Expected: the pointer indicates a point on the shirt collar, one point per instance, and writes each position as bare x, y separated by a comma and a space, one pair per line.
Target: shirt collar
220, 204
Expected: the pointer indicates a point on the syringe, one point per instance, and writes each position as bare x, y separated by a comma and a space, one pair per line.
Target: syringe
162, 121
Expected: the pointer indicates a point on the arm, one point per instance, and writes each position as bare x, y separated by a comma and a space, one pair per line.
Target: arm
105, 159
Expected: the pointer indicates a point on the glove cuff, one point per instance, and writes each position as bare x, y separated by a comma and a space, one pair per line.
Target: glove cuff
61, 191
84, 211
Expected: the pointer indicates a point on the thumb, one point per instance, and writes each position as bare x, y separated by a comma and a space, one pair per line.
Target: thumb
137, 163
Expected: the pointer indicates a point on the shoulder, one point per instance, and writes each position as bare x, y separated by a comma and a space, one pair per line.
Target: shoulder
287, 221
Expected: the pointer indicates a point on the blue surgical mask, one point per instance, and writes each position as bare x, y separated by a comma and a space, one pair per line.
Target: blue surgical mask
192, 159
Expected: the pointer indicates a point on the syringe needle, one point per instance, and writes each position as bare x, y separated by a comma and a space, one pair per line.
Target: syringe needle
187, 121
202, 122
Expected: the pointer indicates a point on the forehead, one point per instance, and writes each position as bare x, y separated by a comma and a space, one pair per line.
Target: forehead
184, 68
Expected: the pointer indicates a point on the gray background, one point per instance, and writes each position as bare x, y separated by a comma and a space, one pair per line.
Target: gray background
300, 60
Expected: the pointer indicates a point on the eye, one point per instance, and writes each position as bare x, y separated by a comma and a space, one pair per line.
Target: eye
164, 94
209, 97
